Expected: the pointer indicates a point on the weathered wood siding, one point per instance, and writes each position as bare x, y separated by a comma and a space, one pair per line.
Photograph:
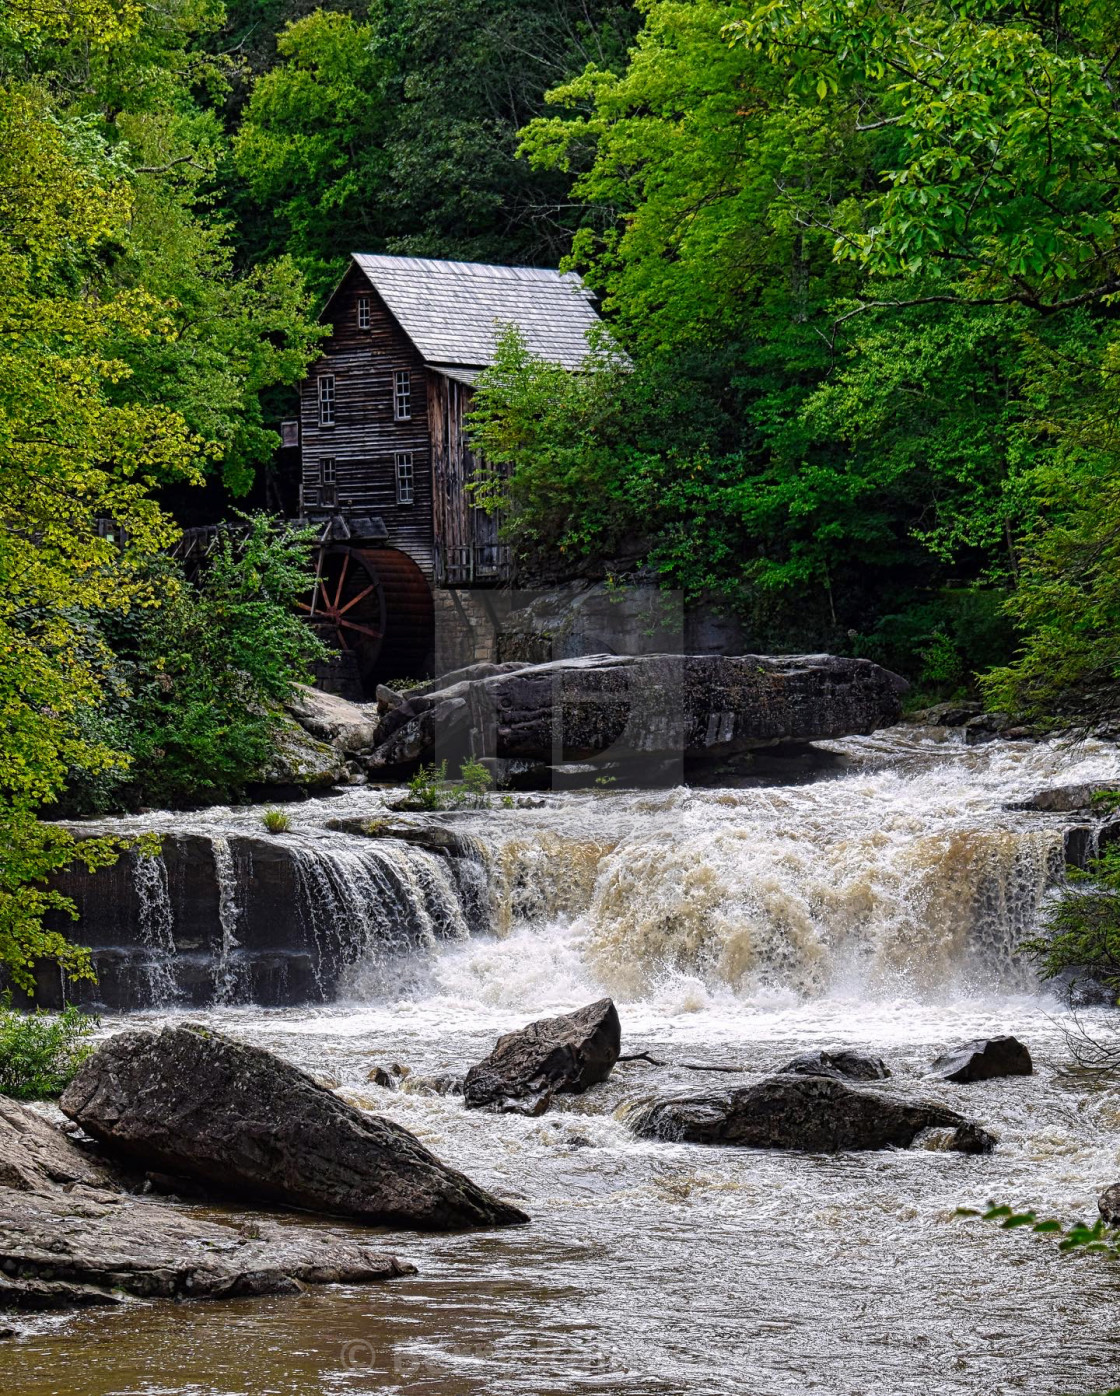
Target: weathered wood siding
366, 435
459, 526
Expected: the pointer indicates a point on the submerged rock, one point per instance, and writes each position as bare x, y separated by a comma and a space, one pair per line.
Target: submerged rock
190, 1101
813, 1114
983, 1059
441, 1083
529, 1066
840, 1063
1065, 799
1108, 1204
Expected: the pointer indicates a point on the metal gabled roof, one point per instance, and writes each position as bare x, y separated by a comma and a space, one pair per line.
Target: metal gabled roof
454, 311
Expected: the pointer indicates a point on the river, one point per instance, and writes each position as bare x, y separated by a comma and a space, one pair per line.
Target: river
879, 907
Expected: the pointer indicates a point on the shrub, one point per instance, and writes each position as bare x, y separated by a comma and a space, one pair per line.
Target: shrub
474, 783
1083, 926
425, 789
276, 821
40, 1052
197, 680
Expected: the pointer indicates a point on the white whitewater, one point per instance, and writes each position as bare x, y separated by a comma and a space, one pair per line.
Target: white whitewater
156, 925
881, 907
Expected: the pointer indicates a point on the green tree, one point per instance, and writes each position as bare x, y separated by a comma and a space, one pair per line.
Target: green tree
72, 456
878, 243
311, 147
398, 131
131, 358
196, 683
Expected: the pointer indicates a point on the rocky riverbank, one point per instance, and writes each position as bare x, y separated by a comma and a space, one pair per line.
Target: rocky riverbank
192, 1113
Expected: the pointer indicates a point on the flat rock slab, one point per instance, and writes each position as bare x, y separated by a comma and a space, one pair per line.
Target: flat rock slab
37, 1157
87, 1247
812, 1114
984, 1059
71, 1237
188, 1101
627, 707
527, 1067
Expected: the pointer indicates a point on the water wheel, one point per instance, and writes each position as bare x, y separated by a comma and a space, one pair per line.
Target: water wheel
373, 607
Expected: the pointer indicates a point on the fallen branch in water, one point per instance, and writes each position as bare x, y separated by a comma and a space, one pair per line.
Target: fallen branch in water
679, 1066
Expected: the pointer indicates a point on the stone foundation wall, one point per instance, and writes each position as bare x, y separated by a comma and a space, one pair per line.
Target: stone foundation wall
467, 625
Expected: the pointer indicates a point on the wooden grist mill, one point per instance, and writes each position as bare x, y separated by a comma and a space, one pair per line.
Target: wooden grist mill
373, 608
387, 469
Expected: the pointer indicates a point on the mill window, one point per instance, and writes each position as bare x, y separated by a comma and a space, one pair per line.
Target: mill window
326, 400
364, 317
405, 478
328, 490
402, 395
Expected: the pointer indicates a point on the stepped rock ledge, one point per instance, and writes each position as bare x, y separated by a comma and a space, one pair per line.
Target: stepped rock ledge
696, 706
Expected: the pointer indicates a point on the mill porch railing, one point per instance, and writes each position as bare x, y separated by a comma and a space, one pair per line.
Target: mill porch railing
476, 564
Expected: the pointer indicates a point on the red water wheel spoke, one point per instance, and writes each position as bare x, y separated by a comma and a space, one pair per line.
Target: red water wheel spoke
360, 597
365, 629
346, 606
341, 583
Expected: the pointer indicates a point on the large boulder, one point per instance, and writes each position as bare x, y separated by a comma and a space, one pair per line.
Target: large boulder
346, 726
191, 1101
70, 1236
528, 1067
983, 1059
841, 1063
298, 763
628, 707
814, 1114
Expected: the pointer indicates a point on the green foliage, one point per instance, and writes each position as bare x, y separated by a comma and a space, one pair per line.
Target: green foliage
397, 130
863, 280
425, 789
312, 143
197, 681
473, 785
132, 356
276, 821
1083, 926
1098, 1238
429, 789
40, 1053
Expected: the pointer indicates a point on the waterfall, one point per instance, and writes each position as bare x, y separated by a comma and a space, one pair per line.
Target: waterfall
156, 926
910, 875
370, 906
911, 870
226, 976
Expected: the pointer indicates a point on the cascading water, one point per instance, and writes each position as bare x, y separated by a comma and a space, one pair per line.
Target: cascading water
879, 908
225, 875
156, 926
370, 906
906, 873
